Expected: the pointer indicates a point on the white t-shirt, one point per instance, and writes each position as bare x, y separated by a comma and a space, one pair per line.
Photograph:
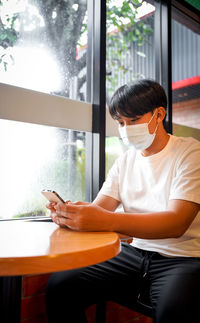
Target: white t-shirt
146, 184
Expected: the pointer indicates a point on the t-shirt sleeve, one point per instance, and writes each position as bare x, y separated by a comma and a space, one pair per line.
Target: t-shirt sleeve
111, 185
186, 182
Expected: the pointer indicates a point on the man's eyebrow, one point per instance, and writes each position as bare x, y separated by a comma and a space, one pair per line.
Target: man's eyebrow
131, 117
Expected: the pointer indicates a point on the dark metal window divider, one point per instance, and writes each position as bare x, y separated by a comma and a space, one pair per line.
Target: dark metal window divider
96, 94
163, 53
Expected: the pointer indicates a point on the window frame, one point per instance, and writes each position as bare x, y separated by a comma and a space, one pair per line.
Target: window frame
96, 93
29, 110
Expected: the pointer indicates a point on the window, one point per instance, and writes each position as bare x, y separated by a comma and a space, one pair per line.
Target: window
130, 55
43, 50
185, 79
35, 157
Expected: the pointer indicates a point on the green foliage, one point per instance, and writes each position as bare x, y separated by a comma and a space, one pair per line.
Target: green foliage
8, 36
42, 212
80, 164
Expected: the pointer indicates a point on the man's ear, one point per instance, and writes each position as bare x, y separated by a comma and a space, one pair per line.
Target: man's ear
161, 113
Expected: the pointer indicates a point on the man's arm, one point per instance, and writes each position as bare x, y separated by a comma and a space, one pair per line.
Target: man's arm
106, 202
171, 223
110, 204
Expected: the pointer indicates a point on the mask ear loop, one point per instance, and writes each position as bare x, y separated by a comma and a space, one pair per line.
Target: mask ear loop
151, 117
156, 125
156, 129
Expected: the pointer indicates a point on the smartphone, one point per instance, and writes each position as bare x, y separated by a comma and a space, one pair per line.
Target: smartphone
52, 196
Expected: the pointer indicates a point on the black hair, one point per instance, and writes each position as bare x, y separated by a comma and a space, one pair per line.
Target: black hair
137, 98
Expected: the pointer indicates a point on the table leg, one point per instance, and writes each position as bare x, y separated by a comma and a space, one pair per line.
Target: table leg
10, 299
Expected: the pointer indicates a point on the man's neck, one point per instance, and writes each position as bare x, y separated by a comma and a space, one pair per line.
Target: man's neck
159, 143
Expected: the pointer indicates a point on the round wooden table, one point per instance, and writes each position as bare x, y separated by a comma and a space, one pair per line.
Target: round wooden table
42, 247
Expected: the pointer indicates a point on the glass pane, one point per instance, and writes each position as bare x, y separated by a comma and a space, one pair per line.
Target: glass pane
114, 148
33, 158
43, 46
130, 49
185, 80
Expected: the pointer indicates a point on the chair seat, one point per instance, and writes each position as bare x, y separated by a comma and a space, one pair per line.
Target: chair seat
141, 307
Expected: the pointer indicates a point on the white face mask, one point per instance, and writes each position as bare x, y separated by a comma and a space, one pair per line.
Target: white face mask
137, 135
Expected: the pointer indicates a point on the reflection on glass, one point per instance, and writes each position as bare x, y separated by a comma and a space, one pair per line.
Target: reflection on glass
185, 80
37, 157
43, 45
130, 51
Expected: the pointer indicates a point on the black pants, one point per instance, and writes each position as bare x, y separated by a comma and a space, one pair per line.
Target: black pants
173, 285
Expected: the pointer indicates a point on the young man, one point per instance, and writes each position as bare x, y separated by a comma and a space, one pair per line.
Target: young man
157, 181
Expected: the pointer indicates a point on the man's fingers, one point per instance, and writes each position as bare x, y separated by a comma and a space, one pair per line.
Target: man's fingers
50, 205
70, 215
66, 211
69, 208
63, 222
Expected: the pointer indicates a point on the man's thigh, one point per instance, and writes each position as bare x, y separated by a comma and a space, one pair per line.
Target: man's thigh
175, 285
117, 279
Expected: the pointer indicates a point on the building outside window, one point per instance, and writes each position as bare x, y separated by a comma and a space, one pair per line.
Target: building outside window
185, 79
